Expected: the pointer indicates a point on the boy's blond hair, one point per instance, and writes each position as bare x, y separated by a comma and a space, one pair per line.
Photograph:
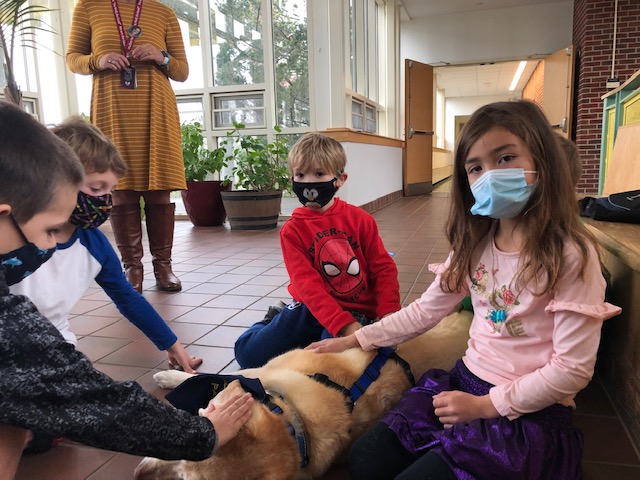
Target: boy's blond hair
96, 152
317, 150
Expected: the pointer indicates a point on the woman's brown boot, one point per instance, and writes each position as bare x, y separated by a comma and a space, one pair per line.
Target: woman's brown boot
160, 224
127, 230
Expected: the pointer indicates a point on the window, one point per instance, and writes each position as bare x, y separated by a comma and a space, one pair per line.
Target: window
364, 116
370, 119
247, 109
364, 18
187, 13
291, 62
190, 110
236, 42
357, 115
366, 25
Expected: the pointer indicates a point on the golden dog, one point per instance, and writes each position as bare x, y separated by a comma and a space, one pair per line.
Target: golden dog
265, 449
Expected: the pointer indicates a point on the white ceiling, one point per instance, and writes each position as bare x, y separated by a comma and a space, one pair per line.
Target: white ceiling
476, 80
422, 8
472, 80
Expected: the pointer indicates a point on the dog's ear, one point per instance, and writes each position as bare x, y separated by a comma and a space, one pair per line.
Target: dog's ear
196, 392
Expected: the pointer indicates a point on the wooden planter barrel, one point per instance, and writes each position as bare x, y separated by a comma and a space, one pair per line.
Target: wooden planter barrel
252, 210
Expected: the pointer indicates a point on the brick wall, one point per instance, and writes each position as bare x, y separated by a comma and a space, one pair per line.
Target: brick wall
593, 39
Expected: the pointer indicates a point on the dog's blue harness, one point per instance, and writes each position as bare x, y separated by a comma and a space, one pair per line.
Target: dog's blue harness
352, 395
296, 429
371, 373
196, 391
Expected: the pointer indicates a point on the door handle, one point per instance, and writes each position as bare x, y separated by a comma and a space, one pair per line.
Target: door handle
413, 131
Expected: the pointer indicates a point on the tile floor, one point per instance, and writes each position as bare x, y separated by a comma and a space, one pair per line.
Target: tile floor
229, 279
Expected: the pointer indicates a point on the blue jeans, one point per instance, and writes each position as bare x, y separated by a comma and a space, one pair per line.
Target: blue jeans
294, 327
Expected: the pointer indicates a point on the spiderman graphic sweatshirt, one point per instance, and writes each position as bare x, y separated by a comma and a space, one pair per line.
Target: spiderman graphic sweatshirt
337, 263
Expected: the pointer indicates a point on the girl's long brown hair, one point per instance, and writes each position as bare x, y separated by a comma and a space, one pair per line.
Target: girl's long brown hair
550, 218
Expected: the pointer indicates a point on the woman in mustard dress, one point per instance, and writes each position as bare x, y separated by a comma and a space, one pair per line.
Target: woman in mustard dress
132, 48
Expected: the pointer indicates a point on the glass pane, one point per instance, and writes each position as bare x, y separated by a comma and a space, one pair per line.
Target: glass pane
371, 126
246, 109
356, 107
236, 44
291, 64
357, 122
190, 110
187, 13
222, 103
250, 118
371, 113
352, 45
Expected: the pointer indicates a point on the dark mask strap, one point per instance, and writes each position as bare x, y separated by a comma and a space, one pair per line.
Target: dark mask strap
18, 228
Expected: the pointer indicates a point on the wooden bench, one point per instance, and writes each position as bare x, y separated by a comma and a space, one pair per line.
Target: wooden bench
618, 364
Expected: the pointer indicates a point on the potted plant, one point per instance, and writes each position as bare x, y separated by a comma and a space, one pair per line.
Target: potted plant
261, 175
21, 20
202, 199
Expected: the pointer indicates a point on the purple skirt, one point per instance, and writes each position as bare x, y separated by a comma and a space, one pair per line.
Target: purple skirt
535, 446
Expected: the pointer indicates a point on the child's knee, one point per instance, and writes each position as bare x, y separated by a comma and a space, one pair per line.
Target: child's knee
243, 352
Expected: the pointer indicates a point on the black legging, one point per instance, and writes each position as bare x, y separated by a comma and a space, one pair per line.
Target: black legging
379, 455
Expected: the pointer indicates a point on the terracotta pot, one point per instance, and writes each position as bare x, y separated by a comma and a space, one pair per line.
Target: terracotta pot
203, 203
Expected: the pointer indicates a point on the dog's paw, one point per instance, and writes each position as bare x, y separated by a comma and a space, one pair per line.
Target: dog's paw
170, 378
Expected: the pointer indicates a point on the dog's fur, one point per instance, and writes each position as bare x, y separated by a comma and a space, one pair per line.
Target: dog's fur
264, 448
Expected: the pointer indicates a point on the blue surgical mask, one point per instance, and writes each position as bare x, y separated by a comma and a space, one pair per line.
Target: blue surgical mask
22, 262
501, 193
315, 194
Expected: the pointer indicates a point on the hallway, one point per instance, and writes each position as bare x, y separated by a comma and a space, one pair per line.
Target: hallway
229, 279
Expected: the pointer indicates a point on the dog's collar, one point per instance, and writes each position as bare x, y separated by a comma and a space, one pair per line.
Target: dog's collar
295, 426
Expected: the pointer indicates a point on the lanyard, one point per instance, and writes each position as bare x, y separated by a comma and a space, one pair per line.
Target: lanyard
126, 44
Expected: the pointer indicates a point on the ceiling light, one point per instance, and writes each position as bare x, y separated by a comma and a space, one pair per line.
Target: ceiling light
516, 77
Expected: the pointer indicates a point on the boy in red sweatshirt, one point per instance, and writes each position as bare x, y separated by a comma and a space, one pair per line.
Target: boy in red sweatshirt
341, 274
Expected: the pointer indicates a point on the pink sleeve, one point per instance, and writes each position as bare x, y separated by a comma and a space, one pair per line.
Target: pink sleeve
413, 320
577, 311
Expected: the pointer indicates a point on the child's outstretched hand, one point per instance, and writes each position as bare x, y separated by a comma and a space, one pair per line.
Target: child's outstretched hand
460, 407
228, 417
335, 345
180, 359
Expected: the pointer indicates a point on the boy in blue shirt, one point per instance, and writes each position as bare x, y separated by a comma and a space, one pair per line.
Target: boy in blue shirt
84, 254
45, 384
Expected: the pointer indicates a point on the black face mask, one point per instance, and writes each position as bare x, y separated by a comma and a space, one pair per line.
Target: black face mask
22, 262
315, 194
90, 211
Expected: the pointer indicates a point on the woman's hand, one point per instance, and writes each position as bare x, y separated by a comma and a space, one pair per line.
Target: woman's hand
460, 407
228, 417
147, 53
113, 61
180, 359
334, 344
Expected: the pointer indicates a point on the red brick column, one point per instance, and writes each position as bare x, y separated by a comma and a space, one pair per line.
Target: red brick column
593, 39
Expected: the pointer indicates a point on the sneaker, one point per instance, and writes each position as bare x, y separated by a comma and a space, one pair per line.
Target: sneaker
273, 310
41, 442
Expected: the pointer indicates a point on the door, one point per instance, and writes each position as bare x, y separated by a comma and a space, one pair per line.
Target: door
418, 128
558, 89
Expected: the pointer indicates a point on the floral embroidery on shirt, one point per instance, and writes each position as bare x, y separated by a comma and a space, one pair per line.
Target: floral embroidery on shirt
501, 299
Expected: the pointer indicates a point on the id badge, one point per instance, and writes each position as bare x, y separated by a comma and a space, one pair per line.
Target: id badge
128, 77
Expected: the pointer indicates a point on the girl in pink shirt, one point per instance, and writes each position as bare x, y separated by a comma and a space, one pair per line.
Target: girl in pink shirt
533, 273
